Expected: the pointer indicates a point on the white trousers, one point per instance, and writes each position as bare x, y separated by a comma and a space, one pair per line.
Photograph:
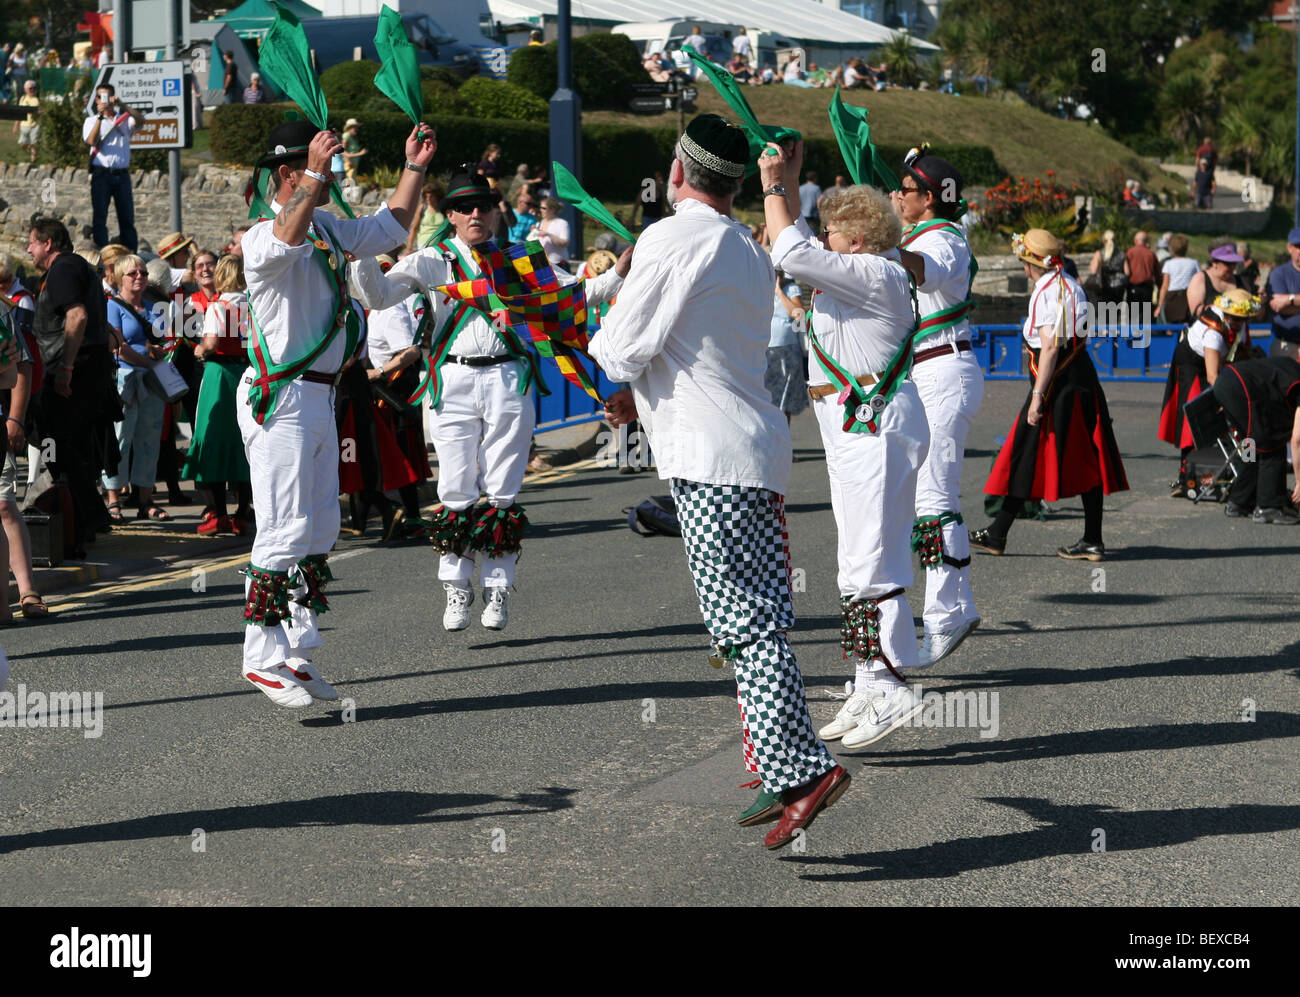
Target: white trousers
293, 461
481, 429
873, 492
951, 389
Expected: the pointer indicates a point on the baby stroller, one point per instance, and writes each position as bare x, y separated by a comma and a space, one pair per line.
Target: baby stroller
1211, 467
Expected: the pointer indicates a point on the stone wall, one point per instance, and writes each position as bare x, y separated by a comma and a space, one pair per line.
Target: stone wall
212, 204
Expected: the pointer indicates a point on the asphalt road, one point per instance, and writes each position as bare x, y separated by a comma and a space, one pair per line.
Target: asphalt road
589, 754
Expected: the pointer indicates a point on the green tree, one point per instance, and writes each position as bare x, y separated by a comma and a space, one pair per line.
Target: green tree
1187, 106
1244, 131
900, 56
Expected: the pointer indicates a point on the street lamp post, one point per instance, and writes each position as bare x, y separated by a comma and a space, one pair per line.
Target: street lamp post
566, 121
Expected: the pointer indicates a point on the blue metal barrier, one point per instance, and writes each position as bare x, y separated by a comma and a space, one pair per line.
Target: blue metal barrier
999, 349
1117, 357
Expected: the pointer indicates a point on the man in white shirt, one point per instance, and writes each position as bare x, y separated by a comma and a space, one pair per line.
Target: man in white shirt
740, 45
303, 329
689, 333
108, 133
478, 379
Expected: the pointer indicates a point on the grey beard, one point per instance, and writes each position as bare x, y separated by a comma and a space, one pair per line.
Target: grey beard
671, 196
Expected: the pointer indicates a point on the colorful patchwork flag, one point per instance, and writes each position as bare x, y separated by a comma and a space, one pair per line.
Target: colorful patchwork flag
526, 286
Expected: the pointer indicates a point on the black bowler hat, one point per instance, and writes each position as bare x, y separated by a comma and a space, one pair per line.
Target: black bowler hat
936, 175
467, 189
288, 141
717, 145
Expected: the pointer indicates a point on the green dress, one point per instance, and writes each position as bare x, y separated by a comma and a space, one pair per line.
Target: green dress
217, 450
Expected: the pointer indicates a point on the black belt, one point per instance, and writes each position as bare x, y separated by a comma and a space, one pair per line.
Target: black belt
317, 377
942, 351
108, 169
480, 361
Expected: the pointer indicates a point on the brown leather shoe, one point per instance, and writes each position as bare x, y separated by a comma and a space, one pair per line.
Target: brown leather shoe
803, 804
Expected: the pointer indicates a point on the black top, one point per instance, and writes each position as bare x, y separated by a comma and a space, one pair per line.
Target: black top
69, 281
1273, 387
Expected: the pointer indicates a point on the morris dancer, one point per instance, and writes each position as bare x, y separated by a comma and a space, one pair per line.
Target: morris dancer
1218, 337
951, 386
689, 334
1261, 399
872, 422
483, 415
303, 329
1062, 443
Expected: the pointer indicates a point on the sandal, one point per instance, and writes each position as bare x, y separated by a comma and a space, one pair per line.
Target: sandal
33, 606
115, 512
152, 512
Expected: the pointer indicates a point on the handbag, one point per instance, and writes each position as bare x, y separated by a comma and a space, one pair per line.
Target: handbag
165, 381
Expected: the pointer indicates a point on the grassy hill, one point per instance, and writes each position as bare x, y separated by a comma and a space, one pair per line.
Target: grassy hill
1025, 141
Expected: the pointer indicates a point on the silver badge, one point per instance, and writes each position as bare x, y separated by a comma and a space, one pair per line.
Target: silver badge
878, 403
863, 413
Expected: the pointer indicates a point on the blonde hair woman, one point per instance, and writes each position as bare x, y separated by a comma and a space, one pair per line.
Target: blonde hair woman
216, 459
876, 440
140, 431
553, 233
1110, 266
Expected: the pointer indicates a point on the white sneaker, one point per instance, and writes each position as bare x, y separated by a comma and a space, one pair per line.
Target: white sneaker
309, 675
496, 613
459, 599
281, 685
850, 715
938, 644
884, 714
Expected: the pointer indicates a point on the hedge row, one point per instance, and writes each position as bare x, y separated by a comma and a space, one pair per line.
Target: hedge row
616, 158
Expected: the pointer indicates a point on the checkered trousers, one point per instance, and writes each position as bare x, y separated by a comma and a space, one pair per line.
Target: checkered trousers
736, 550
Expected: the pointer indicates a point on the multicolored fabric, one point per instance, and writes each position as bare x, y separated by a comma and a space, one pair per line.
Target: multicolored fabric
476, 296
555, 314
736, 550
927, 540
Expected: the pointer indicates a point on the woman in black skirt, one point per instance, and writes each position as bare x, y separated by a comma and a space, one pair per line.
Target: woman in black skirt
1062, 444
1219, 337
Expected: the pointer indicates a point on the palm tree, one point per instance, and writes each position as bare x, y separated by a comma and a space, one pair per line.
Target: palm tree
953, 40
983, 48
1186, 105
1244, 131
900, 57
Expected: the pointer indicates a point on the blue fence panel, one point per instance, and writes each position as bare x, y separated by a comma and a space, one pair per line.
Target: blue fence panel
567, 404
1116, 353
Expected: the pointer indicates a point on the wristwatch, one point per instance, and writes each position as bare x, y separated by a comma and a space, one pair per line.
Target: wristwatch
776, 188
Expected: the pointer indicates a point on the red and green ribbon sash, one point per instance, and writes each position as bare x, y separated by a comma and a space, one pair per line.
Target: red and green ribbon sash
270, 376
945, 318
497, 315
862, 408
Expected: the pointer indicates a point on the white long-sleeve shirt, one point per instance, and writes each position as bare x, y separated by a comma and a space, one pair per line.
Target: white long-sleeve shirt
947, 276
426, 269
863, 308
289, 290
689, 334
390, 331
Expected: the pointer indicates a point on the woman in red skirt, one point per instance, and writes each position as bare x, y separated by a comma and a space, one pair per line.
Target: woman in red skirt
1218, 337
1062, 444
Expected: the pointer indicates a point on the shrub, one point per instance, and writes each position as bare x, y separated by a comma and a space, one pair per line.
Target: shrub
239, 131
441, 99
533, 68
440, 74
487, 98
352, 84
604, 68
